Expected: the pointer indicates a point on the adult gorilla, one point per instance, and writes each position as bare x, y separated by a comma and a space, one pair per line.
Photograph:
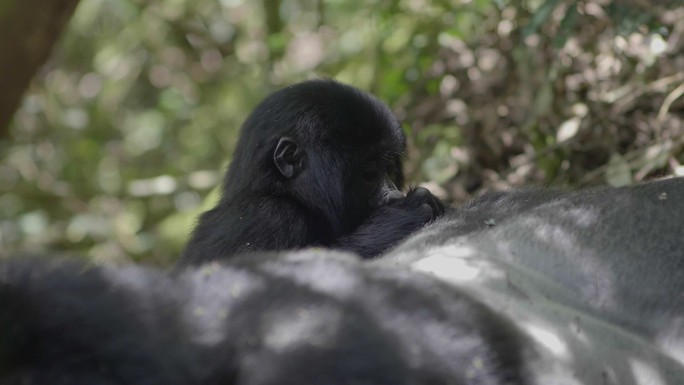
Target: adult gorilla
307, 318
593, 279
317, 164
530, 287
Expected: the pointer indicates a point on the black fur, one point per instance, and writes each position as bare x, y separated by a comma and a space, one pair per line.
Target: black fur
316, 165
298, 319
528, 287
594, 278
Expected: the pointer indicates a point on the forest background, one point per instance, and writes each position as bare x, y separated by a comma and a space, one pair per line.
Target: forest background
117, 118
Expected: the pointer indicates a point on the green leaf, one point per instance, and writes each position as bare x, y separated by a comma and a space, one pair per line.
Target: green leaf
618, 172
540, 16
566, 25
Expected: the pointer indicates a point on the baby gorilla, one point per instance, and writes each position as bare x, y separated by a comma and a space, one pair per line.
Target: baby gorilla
318, 163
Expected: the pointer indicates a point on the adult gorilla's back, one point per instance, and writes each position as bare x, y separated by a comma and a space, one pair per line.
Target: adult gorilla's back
306, 318
527, 287
594, 279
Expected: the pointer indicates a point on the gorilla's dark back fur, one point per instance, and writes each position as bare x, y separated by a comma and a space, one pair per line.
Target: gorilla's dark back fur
306, 318
529, 287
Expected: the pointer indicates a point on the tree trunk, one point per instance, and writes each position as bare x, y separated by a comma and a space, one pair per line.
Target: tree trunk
28, 30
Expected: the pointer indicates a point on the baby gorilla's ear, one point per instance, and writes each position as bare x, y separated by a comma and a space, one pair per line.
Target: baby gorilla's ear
288, 157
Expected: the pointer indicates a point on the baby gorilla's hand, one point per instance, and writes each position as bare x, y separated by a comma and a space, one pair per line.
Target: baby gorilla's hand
421, 198
392, 222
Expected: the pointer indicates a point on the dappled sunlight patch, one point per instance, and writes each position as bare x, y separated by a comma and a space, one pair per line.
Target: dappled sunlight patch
645, 374
549, 339
332, 274
671, 339
585, 271
132, 279
581, 217
213, 295
553, 357
456, 263
288, 330
558, 236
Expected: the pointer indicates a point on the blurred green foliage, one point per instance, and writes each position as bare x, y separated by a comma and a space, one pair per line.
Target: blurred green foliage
124, 134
